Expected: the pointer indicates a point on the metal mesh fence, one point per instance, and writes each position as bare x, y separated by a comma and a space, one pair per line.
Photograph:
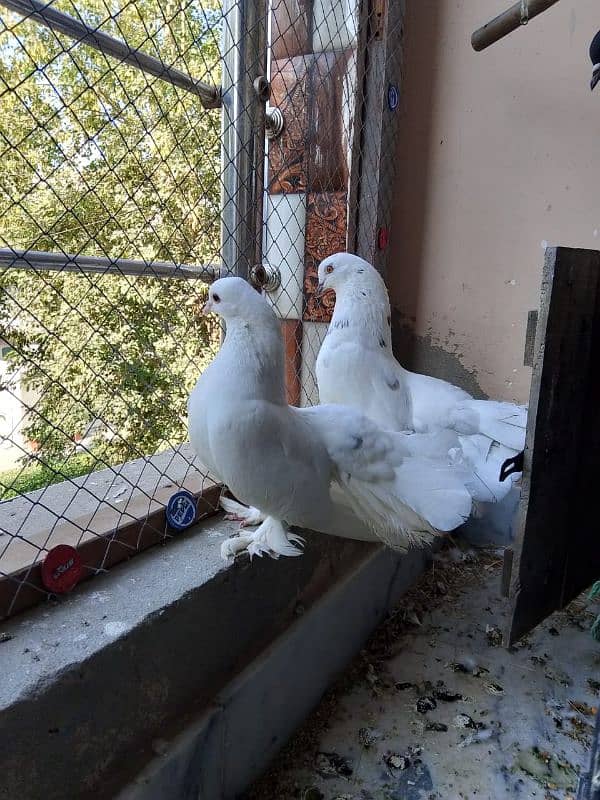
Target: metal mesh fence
123, 190
110, 176
335, 75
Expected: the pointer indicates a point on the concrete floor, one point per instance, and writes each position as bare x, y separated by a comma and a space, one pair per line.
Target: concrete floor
435, 708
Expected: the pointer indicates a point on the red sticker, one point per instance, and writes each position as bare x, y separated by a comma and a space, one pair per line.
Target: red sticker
383, 237
61, 569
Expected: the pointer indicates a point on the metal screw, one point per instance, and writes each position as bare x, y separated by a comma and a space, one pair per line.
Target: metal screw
274, 123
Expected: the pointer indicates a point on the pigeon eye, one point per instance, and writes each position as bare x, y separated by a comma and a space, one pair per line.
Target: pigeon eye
329, 269
216, 298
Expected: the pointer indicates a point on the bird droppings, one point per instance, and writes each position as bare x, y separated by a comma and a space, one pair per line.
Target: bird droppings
425, 704
446, 696
594, 685
115, 628
468, 667
331, 764
479, 736
368, 736
465, 721
396, 762
493, 635
506, 709
438, 727
6, 637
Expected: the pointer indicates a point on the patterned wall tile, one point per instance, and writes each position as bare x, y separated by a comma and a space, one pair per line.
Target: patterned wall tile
290, 25
331, 92
288, 154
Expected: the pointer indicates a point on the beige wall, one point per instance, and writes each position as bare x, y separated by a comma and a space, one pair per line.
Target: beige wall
499, 154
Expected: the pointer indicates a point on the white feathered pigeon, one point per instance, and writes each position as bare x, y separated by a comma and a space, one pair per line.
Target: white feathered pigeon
327, 468
356, 366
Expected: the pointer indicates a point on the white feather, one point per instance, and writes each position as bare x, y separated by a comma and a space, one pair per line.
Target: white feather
356, 366
307, 467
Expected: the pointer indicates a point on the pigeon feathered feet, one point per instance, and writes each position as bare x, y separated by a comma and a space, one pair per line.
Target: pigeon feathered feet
270, 538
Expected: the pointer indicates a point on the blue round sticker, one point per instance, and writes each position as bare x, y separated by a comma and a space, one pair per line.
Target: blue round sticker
181, 510
393, 97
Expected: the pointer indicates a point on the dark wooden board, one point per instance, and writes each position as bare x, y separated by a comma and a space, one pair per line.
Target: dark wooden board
374, 174
291, 330
290, 28
557, 546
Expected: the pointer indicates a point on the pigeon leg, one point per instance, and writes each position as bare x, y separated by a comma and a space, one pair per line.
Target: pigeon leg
245, 515
270, 539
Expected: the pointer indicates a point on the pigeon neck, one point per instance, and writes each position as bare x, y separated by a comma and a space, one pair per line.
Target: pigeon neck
364, 310
254, 352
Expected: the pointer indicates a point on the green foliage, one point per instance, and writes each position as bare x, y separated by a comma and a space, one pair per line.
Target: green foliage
98, 158
35, 476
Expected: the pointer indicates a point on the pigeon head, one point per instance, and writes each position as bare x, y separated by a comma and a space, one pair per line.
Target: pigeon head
595, 58
341, 269
233, 298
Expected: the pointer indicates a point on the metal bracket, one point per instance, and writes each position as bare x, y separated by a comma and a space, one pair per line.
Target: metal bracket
274, 123
265, 276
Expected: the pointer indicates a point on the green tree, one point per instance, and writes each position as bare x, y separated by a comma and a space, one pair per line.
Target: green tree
98, 158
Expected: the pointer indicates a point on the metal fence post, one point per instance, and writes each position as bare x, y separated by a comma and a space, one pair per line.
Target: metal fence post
245, 92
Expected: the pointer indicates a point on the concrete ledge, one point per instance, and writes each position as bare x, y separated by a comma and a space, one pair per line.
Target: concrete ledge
230, 744
89, 684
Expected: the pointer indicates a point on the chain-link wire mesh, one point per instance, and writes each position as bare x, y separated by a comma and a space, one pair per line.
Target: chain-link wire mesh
102, 162
335, 75
115, 201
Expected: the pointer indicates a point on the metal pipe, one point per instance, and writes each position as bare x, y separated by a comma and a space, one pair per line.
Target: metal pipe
507, 22
210, 96
40, 261
245, 92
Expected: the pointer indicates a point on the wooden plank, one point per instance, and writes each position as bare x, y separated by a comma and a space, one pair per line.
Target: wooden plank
529, 350
292, 339
507, 565
379, 134
288, 156
290, 28
557, 547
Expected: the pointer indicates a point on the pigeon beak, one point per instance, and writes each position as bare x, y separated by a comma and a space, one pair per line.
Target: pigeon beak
207, 308
320, 290
595, 78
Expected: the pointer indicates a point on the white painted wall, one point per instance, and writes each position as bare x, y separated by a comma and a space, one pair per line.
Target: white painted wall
499, 153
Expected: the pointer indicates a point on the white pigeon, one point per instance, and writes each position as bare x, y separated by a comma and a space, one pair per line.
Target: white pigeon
327, 468
356, 366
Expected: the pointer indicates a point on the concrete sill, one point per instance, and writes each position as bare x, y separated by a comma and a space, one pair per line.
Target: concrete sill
176, 675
